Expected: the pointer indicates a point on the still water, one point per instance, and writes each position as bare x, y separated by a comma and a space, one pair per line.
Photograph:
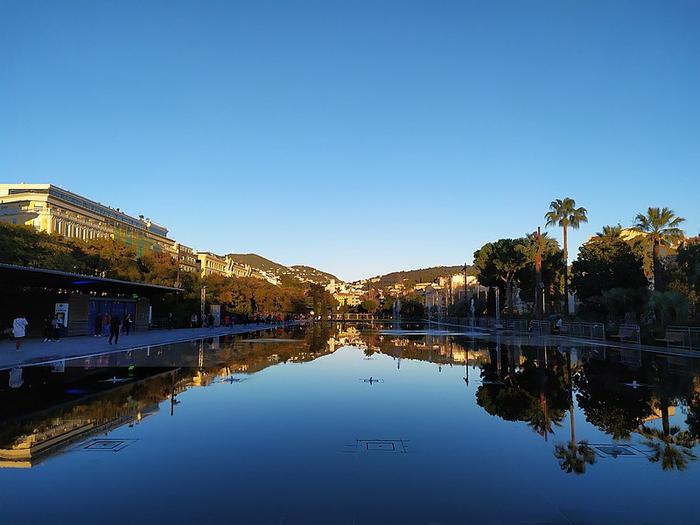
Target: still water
343, 425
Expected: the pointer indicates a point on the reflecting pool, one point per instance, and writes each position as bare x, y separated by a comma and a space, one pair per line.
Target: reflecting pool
353, 425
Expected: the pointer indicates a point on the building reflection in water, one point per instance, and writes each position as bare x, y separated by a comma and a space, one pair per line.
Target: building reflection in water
636, 398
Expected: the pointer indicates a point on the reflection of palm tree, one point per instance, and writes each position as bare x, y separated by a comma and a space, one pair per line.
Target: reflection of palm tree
574, 458
671, 447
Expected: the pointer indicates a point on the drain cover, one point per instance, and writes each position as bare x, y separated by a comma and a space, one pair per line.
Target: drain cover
380, 446
106, 445
614, 450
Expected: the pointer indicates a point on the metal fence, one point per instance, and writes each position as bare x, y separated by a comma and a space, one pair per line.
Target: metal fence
685, 337
628, 333
585, 330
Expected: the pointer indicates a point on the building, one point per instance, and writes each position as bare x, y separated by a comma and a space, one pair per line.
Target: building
78, 300
349, 299
54, 210
211, 264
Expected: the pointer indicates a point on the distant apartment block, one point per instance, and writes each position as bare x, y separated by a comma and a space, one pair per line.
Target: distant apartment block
51, 209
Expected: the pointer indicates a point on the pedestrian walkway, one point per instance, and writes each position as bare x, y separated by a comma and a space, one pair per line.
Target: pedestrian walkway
525, 339
36, 351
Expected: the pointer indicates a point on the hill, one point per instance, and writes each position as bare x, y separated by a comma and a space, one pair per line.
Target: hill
300, 272
422, 275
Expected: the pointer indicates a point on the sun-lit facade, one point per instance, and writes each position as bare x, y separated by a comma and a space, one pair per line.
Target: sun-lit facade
54, 210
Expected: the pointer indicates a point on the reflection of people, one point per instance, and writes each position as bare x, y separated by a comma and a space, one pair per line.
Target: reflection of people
19, 327
16, 380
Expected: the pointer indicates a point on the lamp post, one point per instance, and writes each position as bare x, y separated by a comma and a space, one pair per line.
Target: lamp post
203, 300
539, 285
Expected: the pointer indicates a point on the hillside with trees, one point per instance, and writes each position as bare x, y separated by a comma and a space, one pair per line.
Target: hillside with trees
422, 275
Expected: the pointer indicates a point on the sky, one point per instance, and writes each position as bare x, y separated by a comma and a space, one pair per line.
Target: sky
358, 137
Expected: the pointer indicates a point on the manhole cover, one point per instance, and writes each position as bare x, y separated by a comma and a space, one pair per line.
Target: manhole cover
106, 445
380, 446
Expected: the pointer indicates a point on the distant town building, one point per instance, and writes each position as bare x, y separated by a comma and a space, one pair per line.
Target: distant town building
212, 264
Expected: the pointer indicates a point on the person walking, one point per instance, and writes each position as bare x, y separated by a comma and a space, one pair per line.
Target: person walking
106, 323
127, 323
48, 328
114, 327
98, 325
56, 326
193, 321
171, 320
19, 330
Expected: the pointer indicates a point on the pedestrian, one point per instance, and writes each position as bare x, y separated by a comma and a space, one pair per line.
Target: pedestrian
210, 320
106, 323
114, 327
56, 325
127, 323
48, 328
171, 320
19, 330
98, 325
193, 321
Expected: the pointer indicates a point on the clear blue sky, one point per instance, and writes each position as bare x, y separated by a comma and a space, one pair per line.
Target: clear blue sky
362, 136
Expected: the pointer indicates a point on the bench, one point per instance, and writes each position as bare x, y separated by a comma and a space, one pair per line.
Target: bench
685, 337
628, 332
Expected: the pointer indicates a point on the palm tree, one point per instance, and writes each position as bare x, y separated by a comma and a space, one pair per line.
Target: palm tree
564, 213
574, 458
671, 447
610, 233
661, 227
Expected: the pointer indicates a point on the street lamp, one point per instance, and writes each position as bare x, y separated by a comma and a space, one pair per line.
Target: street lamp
203, 300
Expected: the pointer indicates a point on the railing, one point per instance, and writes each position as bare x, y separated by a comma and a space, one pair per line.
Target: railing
539, 327
685, 337
628, 332
516, 325
352, 317
585, 330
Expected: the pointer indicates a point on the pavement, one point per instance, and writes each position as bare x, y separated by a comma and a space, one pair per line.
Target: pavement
35, 351
525, 339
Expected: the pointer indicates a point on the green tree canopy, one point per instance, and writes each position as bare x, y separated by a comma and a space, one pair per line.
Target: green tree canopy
607, 262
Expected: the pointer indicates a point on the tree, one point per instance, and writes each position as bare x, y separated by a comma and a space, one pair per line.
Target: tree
564, 213
412, 308
498, 264
661, 228
671, 447
604, 263
610, 233
369, 306
688, 262
575, 458
552, 267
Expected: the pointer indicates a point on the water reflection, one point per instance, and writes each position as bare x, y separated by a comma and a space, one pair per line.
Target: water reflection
649, 403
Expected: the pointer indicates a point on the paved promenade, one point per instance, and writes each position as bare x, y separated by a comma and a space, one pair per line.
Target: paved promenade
36, 351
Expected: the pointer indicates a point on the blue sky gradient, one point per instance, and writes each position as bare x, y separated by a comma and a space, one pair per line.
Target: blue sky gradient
358, 137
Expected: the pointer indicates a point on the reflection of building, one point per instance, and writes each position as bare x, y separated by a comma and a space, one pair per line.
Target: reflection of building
51, 209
